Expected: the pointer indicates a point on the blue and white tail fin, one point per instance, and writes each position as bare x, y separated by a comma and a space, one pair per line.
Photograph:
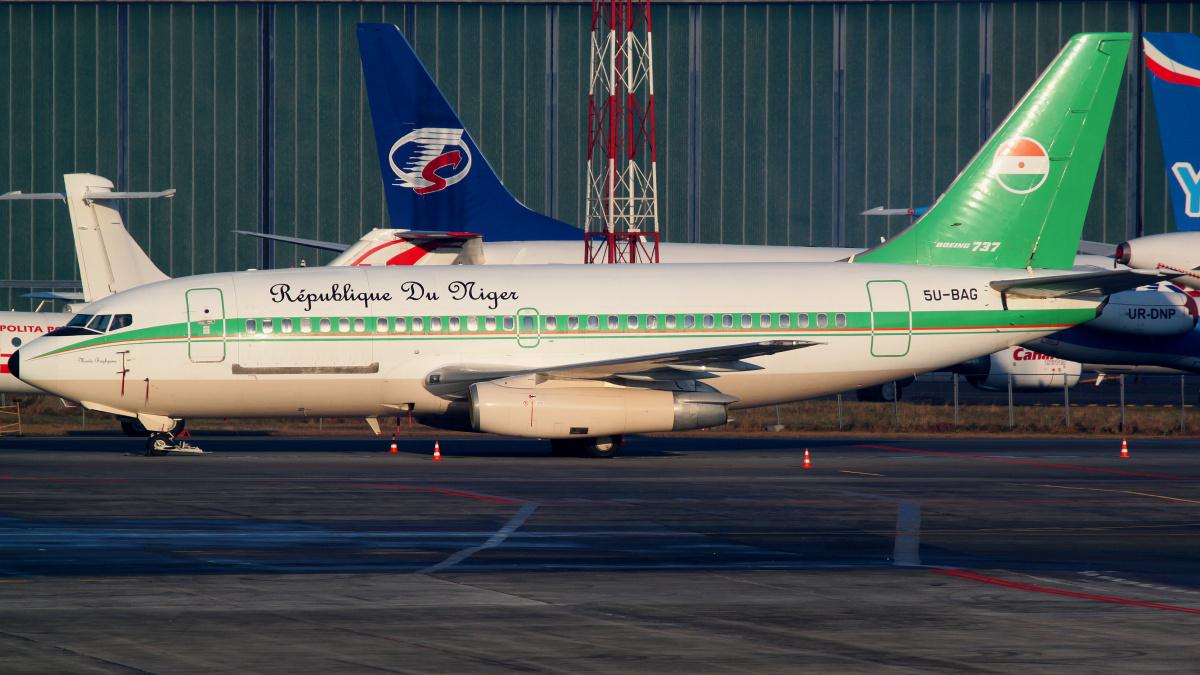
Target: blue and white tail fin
434, 175
1174, 63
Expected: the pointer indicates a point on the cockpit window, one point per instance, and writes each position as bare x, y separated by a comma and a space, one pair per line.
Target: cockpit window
100, 323
82, 324
121, 321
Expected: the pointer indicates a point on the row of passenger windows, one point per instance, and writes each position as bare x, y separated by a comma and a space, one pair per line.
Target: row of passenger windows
551, 323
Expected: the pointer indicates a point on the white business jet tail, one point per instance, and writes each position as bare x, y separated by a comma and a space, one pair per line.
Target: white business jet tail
110, 261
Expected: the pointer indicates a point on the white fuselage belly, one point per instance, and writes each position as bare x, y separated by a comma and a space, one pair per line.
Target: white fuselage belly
367, 373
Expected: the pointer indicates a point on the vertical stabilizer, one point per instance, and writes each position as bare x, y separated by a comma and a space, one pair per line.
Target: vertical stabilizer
1174, 63
110, 261
434, 175
1021, 201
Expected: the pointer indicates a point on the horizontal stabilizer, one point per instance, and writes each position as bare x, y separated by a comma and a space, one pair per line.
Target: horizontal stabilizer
93, 196
311, 243
64, 296
453, 381
1104, 282
36, 283
15, 195
1097, 248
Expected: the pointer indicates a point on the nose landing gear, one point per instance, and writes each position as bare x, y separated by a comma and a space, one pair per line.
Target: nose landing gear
162, 442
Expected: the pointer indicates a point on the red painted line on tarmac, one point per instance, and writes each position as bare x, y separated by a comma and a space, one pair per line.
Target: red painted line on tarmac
1071, 594
1023, 461
456, 493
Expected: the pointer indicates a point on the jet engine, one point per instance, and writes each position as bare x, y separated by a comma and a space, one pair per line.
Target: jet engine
1030, 371
1147, 313
1179, 251
581, 411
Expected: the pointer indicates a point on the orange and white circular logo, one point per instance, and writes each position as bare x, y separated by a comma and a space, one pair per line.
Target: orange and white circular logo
1021, 165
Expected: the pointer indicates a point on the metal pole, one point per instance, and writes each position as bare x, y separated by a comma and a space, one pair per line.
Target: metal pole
1182, 400
955, 376
1122, 403
82, 417
1010, 402
1066, 400
778, 416
839, 412
896, 403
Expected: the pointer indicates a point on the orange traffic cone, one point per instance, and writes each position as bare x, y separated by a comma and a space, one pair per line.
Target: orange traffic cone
437, 452
1124, 449
393, 449
807, 464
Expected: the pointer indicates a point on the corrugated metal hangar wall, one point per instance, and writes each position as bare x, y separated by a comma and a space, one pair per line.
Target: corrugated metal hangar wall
777, 122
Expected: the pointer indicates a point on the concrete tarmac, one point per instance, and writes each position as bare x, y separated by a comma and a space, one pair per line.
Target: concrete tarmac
682, 555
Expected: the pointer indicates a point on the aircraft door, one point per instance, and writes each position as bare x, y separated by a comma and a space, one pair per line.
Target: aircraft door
891, 318
206, 325
529, 332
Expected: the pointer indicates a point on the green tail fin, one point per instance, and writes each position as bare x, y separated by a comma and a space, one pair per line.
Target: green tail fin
1022, 199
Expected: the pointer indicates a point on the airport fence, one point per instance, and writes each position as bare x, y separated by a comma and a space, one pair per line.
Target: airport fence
10, 419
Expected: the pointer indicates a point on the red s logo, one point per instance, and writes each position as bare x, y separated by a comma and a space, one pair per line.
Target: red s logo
429, 173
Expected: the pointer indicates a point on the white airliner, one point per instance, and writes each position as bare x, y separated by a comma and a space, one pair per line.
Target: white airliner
583, 354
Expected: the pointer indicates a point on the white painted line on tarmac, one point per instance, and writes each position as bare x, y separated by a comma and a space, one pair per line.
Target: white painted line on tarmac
495, 540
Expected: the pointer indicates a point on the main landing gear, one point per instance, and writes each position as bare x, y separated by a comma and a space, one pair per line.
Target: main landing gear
601, 447
159, 443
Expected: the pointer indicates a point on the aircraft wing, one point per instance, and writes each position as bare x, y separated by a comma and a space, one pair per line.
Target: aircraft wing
1103, 282
311, 243
691, 364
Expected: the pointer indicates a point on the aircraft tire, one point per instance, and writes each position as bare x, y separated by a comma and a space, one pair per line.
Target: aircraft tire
602, 447
158, 445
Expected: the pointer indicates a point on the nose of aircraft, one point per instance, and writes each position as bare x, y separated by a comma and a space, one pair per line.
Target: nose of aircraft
14, 364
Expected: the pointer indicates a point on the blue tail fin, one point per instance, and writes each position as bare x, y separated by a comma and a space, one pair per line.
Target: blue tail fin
1174, 63
434, 175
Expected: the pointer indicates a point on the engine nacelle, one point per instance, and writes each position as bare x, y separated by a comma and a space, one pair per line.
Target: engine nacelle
1179, 251
590, 411
1147, 313
1030, 371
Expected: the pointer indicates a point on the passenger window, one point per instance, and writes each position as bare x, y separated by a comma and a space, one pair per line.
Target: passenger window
121, 321
689, 320
552, 323
285, 325
100, 323
325, 325
593, 322
747, 321
251, 326
381, 325
509, 324
400, 325
839, 320
435, 324
822, 320
268, 326
669, 322
455, 323
360, 325
764, 321
305, 325
727, 321
614, 322
632, 321
652, 321
16, 342
708, 321
802, 321
785, 320
343, 325
472, 323
418, 324
489, 323
572, 323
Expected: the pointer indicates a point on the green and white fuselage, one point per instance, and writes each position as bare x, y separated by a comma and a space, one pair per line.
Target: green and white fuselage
365, 344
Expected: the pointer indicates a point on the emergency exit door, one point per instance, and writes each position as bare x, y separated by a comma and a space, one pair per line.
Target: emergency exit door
891, 318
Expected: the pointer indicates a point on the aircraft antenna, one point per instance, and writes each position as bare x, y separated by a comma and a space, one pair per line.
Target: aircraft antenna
622, 200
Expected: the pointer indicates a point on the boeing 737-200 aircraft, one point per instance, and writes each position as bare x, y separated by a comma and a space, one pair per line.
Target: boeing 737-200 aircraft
537, 352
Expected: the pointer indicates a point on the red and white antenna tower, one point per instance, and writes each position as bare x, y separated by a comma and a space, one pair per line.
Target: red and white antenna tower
622, 202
